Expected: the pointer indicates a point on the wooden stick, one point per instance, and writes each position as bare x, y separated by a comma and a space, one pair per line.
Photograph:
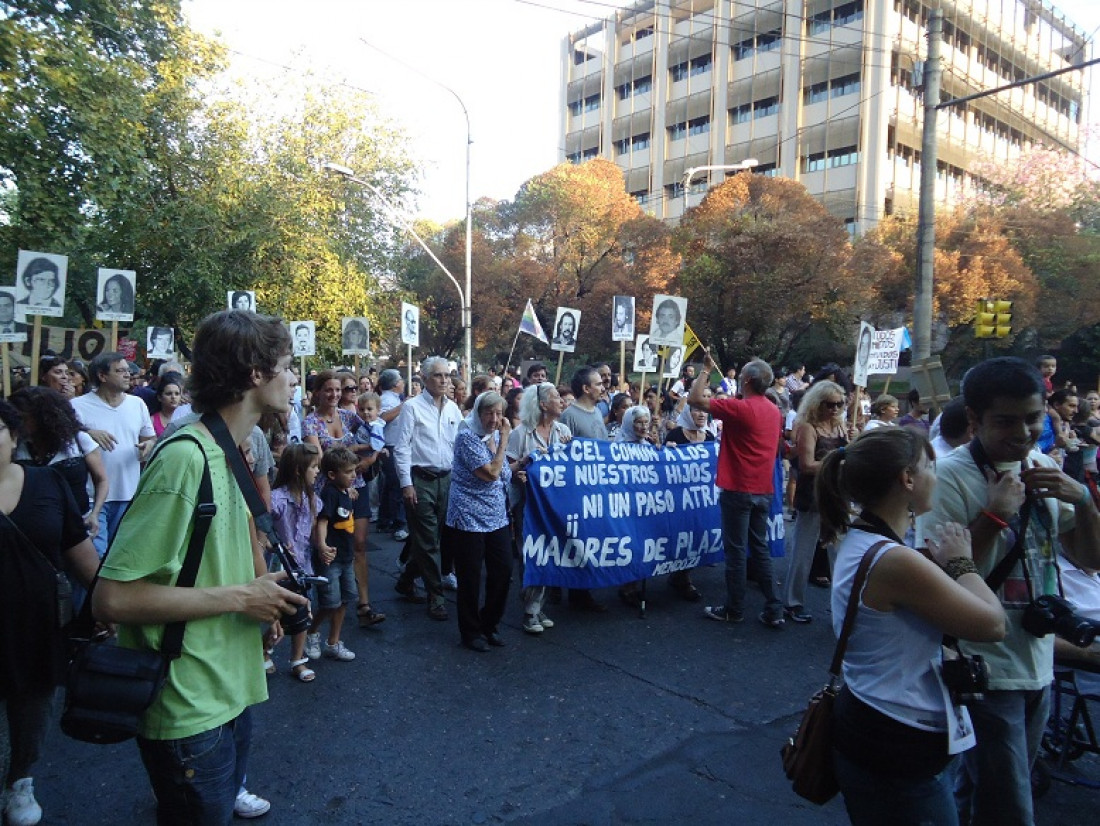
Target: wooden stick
557, 375
622, 364
5, 355
36, 349
114, 336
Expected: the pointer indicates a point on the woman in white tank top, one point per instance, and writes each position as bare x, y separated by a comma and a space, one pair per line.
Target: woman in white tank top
891, 720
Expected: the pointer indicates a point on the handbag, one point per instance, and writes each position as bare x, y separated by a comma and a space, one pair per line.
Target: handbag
108, 688
63, 589
808, 755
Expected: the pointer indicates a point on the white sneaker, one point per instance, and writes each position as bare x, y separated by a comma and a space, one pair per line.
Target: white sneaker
401, 534
545, 621
22, 808
313, 646
450, 582
531, 624
338, 652
249, 805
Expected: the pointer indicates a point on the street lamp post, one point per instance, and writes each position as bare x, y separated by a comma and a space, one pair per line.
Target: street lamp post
463, 297
692, 171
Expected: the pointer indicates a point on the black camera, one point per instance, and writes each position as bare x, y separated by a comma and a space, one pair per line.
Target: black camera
1051, 614
967, 678
297, 581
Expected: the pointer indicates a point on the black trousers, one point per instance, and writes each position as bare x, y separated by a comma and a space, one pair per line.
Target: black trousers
474, 552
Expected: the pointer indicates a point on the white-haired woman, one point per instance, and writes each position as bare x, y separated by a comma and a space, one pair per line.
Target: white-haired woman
540, 407
477, 521
818, 428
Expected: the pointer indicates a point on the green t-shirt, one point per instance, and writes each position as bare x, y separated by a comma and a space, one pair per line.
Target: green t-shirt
1022, 661
220, 672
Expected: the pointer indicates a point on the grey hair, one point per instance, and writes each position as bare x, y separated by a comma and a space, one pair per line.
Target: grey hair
530, 413
389, 379
429, 364
169, 367
490, 398
758, 375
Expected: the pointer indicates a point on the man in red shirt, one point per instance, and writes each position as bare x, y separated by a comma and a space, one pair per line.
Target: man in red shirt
751, 428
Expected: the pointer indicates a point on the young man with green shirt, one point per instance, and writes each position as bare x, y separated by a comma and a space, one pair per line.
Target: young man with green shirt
194, 739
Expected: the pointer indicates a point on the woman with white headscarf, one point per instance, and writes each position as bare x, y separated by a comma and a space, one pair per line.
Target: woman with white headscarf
540, 408
477, 521
691, 428
635, 425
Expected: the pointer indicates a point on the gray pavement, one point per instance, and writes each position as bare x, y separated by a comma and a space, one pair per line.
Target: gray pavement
604, 719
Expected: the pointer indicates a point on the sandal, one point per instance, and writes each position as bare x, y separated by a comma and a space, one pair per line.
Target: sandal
368, 616
300, 670
269, 664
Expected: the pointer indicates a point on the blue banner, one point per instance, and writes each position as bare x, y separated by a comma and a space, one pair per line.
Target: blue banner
607, 513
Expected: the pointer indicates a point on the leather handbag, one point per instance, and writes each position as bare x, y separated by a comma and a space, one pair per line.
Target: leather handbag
808, 755
109, 688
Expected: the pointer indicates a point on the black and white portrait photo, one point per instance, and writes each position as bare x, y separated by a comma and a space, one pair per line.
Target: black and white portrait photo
115, 295
160, 342
11, 331
645, 355
565, 330
355, 336
673, 362
622, 318
40, 284
410, 324
303, 333
863, 354
666, 327
242, 300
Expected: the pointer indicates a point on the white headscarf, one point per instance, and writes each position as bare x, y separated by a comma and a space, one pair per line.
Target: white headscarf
473, 420
626, 430
686, 422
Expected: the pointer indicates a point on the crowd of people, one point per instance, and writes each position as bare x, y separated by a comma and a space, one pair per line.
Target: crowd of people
1007, 470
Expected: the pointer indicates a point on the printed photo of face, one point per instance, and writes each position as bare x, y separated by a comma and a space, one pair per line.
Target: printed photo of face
668, 318
355, 335
41, 280
241, 300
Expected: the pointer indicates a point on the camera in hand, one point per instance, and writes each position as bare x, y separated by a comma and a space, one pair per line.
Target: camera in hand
967, 678
297, 581
1051, 614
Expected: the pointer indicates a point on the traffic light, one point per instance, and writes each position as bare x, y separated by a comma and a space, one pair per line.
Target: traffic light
993, 319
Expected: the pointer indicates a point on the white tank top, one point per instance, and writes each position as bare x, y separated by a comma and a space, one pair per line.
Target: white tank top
888, 661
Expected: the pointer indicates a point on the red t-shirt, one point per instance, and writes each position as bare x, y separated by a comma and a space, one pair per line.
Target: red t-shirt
750, 440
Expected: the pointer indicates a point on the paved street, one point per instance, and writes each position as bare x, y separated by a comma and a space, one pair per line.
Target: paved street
605, 719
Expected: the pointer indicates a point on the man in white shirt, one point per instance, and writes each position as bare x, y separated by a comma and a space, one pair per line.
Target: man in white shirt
423, 447
120, 423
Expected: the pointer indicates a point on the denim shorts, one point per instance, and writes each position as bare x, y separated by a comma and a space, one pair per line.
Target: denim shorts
341, 587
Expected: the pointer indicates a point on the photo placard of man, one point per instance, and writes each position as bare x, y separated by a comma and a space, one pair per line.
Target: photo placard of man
305, 342
241, 300
160, 343
40, 286
11, 331
355, 336
622, 318
410, 324
863, 354
666, 327
566, 324
115, 290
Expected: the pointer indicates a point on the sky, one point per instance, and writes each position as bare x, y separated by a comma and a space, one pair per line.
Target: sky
501, 57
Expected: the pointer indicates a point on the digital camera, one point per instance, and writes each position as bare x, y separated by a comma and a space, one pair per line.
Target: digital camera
1051, 614
297, 581
967, 678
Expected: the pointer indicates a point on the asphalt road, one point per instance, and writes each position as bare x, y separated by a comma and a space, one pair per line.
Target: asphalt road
604, 719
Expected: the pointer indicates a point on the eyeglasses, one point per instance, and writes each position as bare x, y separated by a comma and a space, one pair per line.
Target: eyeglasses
833, 405
351, 388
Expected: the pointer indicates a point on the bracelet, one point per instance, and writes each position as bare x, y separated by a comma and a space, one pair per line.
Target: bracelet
956, 566
996, 520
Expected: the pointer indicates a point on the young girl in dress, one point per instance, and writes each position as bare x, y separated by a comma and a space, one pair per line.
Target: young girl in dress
294, 506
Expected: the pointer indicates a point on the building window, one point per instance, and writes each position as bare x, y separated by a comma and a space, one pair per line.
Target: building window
699, 65
816, 93
765, 107
589, 154
639, 142
841, 15
675, 190
573, 157
575, 107
699, 126
679, 71
741, 114
677, 131
592, 103
764, 42
844, 156
641, 86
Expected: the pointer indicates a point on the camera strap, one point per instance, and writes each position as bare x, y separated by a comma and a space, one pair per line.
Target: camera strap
220, 431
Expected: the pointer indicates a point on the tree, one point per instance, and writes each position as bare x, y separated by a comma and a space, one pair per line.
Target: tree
763, 262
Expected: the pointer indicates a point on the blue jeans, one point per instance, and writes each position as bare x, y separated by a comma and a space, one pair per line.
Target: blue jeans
994, 778
744, 531
196, 779
109, 517
874, 799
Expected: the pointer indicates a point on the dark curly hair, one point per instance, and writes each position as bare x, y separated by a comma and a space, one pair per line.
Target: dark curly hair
55, 423
228, 346
10, 417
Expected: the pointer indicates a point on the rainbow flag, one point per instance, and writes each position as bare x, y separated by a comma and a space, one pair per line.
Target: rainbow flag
530, 324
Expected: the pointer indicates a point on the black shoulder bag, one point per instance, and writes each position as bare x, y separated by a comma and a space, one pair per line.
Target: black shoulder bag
109, 688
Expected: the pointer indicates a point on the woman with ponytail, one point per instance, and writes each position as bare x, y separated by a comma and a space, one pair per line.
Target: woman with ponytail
891, 721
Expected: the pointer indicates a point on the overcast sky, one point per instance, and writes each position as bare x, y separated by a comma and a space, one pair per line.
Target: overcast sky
502, 57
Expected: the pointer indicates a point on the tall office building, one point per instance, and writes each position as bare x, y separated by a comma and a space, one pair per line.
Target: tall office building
822, 91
